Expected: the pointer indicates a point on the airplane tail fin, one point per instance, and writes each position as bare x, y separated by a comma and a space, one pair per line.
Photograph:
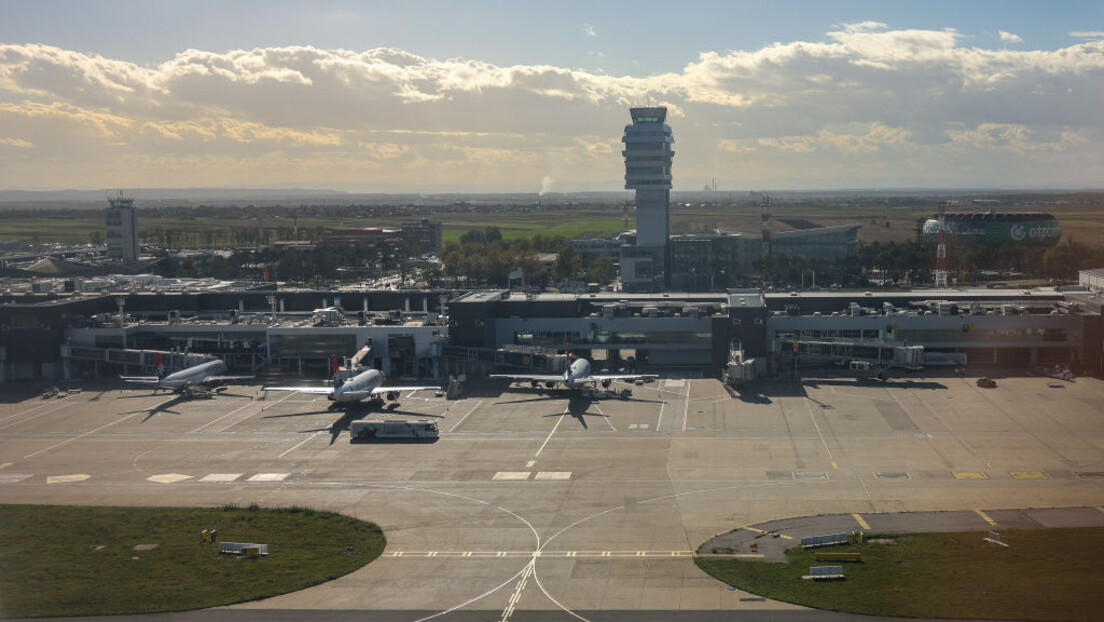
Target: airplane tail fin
333, 370
160, 367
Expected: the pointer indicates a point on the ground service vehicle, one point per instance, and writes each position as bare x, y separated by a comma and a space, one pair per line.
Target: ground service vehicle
366, 430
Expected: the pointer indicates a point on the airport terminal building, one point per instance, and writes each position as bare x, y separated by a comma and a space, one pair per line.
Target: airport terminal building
435, 333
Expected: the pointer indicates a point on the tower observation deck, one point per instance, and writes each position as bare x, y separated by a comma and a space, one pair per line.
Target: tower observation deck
122, 229
648, 154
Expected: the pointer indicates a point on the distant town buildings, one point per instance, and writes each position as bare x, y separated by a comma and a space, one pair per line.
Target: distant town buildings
122, 229
424, 235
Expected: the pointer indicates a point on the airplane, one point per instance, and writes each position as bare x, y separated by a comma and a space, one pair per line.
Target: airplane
576, 377
367, 384
186, 381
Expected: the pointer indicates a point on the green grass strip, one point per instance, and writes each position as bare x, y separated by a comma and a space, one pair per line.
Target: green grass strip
1045, 575
65, 560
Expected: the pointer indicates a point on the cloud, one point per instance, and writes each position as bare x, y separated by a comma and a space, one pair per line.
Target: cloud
1088, 34
589, 30
1010, 37
867, 96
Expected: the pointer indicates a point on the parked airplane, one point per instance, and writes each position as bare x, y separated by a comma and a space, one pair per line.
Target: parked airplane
577, 376
186, 380
367, 384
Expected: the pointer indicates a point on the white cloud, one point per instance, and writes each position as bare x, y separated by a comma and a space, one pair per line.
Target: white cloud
868, 96
589, 30
1010, 37
1088, 34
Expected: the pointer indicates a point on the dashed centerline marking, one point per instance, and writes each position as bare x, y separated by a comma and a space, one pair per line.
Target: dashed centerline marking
269, 477
553, 475
862, 523
66, 479
668, 554
970, 475
220, 477
985, 517
168, 478
511, 476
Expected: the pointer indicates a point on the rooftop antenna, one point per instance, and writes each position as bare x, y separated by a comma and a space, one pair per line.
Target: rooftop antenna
941, 248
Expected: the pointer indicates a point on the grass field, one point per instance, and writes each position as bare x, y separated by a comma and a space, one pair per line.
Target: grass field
1045, 575
66, 561
1081, 223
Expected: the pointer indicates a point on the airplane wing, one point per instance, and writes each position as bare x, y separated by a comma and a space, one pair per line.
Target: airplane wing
627, 377
227, 378
146, 380
310, 390
531, 378
379, 390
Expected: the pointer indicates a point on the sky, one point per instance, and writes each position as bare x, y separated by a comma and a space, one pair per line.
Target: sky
421, 96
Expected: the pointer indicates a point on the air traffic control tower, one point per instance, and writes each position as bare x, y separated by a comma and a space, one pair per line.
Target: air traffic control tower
122, 229
648, 156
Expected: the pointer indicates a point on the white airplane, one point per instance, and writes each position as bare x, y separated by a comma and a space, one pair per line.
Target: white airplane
186, 380
367, 384
577, 375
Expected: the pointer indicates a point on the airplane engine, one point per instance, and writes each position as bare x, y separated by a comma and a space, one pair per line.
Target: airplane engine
392, 396
606, 383
550, 385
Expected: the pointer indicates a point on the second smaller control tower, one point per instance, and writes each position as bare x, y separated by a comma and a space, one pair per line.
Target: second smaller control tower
648, 155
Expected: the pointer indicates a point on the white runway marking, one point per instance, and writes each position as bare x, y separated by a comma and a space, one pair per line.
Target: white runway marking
608, 422
511, 475
466, 416
269, 477
168, 478
67, 479
52, 410
13, 478
237, 410
686, 409
302, 442
553, 475
554, 428
220, 477
66, 442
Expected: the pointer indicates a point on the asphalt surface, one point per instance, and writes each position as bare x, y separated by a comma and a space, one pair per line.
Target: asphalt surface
535, 506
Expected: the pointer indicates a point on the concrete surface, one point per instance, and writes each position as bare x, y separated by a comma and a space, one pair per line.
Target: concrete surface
532, 503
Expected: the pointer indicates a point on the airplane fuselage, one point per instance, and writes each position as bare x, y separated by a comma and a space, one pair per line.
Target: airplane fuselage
358, 387
577, 374
192, 376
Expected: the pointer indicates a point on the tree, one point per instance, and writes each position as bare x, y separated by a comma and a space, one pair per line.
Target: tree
599, 269
568, 264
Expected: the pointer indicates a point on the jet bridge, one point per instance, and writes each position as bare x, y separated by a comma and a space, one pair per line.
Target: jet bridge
864, 356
